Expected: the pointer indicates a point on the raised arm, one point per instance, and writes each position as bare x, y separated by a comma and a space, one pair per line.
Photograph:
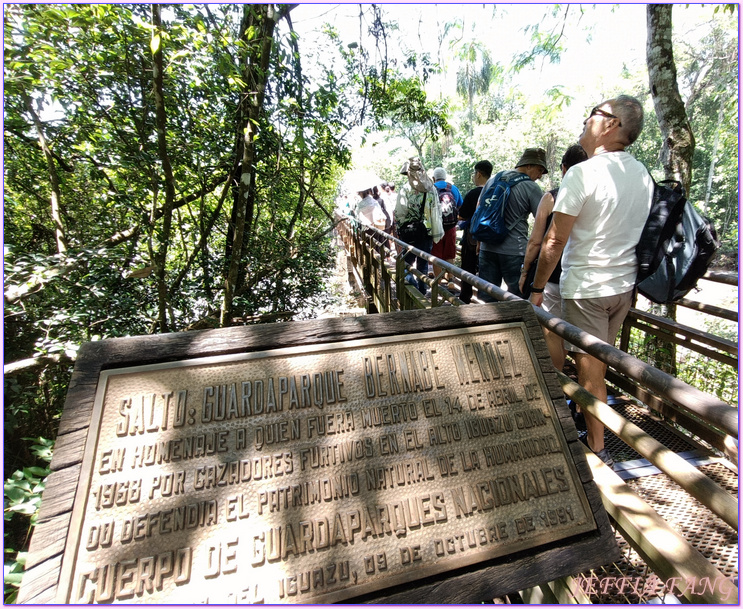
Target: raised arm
546, 204
554, 242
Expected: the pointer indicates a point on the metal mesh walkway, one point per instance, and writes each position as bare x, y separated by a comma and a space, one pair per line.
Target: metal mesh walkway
629, 580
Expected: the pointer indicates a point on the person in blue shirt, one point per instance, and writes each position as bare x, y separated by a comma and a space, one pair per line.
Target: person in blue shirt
501, 262
449, 197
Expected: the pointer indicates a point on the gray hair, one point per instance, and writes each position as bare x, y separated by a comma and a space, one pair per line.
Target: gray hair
630, 113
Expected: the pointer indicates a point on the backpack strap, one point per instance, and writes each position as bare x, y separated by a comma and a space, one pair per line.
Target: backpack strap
511, 183
421, 208
386, 215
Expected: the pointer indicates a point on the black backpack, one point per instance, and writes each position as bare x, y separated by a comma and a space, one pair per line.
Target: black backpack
414, 230
676, 247
449, 213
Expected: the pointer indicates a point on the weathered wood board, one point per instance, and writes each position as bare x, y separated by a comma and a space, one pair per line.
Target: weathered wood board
418, 456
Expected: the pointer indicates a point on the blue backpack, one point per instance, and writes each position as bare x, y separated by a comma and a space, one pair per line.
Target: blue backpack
489, 221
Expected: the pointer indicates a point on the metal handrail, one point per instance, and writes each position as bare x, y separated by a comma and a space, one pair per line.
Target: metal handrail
665, 551
709, 408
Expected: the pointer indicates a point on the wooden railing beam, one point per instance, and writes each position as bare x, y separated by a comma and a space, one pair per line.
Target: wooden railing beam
664, 550
709, 309
715, 411
674, 327
723, 358
688, 477
725, 277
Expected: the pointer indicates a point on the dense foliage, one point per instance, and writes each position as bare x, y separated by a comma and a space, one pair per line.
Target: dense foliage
129, 202
125, 135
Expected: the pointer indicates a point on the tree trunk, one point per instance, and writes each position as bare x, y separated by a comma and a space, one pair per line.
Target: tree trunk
303, 187
678, 140
471, 105
56, 197
161, 123
257, 37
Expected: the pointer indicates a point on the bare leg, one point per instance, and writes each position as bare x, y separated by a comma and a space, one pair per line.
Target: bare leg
591, 373
556, 349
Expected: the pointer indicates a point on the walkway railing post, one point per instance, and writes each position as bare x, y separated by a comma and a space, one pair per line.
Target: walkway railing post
402, 293
715, 411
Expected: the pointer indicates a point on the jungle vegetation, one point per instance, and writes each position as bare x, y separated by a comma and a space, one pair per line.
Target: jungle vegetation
175, 167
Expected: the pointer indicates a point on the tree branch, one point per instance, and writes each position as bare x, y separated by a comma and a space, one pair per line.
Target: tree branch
56, 196
205, 234
32, 363
27, 140
14, 293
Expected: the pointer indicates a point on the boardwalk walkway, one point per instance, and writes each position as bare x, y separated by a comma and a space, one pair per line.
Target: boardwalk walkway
664, 532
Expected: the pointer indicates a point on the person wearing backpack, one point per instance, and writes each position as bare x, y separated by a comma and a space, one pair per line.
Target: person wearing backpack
599, 215
500, 259
450, 200
418, 217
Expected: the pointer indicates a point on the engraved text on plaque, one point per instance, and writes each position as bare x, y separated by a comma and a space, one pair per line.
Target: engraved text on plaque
317, 474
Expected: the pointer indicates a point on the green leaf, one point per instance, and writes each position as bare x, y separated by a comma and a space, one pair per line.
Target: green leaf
14, 494
14, 579
36, 471
27, 508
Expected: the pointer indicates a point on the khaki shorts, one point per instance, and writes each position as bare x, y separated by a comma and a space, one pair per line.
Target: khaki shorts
551, 300
602, 317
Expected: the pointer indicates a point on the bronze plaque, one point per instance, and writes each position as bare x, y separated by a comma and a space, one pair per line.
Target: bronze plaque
317, 474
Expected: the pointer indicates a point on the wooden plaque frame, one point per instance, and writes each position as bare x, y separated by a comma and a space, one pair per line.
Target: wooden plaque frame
470, 583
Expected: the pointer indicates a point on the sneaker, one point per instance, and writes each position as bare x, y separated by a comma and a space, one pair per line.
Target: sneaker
606, 457
452, 287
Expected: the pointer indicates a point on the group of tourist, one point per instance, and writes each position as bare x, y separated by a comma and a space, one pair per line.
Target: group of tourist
583, 240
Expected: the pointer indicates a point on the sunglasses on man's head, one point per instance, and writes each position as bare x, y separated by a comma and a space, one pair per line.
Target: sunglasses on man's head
601, 112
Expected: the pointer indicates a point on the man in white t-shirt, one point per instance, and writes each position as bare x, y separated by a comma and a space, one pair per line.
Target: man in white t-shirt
599, 215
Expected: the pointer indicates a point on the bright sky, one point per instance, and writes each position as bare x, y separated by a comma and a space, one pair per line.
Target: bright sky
600, 40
